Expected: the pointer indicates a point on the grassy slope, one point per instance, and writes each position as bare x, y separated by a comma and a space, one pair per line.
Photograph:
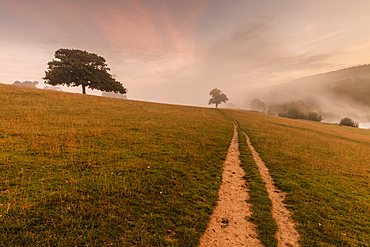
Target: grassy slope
89, 171
85, 170
324, 168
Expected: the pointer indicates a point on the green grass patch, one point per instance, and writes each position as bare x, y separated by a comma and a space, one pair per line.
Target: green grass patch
79, 170
258, 197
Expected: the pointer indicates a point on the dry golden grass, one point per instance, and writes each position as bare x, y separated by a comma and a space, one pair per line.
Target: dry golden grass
85, 170
79, 170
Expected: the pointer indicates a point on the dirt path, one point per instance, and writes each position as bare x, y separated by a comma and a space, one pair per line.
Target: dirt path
286, 235
228, 225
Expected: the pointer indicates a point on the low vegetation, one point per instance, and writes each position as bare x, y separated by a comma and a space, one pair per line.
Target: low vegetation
297, 114
79, 170
348, 122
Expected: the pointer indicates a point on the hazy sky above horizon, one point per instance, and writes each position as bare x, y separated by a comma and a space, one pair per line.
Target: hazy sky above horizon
177, 51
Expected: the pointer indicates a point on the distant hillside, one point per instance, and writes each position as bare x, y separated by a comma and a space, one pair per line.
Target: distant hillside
313, 85
341, 92
357, 89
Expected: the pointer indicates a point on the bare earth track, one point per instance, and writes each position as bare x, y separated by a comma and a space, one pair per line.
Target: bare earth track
228, 225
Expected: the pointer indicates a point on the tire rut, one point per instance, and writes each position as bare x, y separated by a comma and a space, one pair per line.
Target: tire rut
286, 234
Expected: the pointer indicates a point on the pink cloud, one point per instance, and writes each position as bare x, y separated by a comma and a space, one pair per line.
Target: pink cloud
152, 27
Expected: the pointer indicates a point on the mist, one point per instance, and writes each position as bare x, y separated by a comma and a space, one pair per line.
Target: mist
334, 95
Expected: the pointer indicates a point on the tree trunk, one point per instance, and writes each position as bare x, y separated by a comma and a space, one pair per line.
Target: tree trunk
216, 105
83, 89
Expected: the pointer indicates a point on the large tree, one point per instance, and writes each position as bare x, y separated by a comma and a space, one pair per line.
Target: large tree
217, 97
73, 68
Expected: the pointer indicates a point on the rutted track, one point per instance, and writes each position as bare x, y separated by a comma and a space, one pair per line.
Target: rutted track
228, 225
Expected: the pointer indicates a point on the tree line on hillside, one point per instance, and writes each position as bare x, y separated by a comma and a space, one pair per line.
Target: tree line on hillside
357, 90
295, 110
33, 84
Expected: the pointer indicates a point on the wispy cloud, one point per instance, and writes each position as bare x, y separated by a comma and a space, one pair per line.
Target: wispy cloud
254, 51
359, 47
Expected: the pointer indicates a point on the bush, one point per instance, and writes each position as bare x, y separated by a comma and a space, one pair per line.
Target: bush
314, 116
348, 122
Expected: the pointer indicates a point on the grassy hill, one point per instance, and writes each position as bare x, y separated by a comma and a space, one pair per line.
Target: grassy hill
79, 170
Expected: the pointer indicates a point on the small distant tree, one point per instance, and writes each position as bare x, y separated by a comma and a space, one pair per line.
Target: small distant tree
26, 84
75, 68
348, 122
258, 105
217, 97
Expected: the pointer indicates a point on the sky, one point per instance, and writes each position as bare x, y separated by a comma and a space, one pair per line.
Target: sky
177, 51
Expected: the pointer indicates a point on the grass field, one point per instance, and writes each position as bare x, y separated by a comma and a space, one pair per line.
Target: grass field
79, 170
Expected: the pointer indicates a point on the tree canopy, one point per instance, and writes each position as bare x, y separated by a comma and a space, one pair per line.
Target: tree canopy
357, 89
217, 97
73, 68
26, 83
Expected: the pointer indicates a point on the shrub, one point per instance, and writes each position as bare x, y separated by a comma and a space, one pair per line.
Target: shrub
314, 116
348, 122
